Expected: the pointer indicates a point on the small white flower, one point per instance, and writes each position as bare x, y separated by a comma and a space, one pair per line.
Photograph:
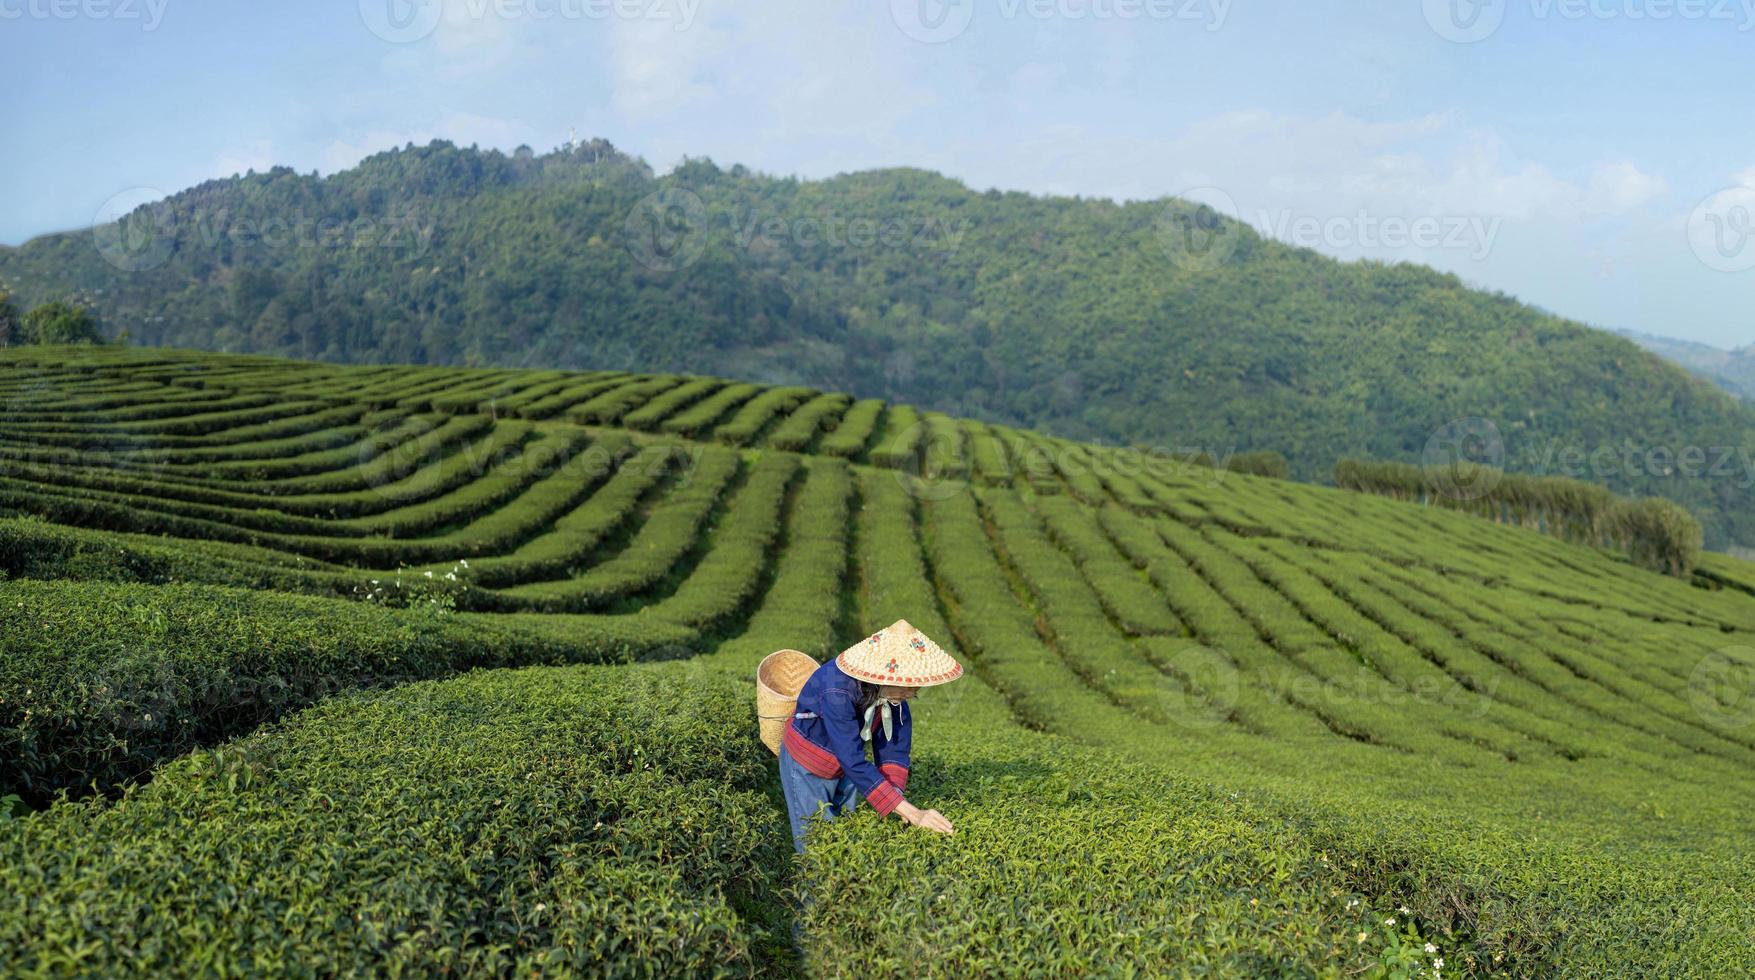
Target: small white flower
1403, 909
464, 562
1431, 948
146, 717
540, 906
450, 576
1438, 964
1389, 921
429, 573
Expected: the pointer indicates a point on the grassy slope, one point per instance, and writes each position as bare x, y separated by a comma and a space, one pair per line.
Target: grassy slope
1242, 707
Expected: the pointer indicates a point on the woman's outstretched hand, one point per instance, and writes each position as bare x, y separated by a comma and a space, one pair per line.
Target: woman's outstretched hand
930, 819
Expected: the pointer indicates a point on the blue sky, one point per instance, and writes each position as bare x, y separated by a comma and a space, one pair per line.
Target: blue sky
1593, 156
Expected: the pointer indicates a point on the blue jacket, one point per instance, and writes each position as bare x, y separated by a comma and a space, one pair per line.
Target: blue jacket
823, 736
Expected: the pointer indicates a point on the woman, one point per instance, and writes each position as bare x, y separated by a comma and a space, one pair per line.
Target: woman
861, 696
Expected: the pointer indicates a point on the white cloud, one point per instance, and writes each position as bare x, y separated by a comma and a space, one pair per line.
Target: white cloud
799, 75
1331, 165
658, 69
1617, 188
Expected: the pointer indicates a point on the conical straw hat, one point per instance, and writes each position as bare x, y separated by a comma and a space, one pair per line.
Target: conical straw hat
901, 656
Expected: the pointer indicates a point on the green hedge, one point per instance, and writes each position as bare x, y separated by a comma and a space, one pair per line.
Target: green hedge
1260, 464
1125, 592
899, 444
99, 681
656, 548
802, 606
34, 548
575, 536
848, 440
540, 485
191, 418
217, 429
704, 414
647, 416
755, 414
547, 405
798, 430
1654, 532
609, 407
1069, 862
376, 462
739, 550
991, 461
573, 821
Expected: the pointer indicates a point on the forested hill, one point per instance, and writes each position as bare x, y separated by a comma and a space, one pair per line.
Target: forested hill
1086, 318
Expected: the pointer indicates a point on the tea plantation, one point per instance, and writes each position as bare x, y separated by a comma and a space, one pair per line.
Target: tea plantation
309, 669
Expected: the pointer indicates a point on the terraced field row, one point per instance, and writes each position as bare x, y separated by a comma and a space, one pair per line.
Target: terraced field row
203, 543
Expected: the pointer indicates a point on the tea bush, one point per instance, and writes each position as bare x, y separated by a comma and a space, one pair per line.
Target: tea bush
562, 820
655, 549
1189, 688
799, 429
99, 681
848, 440
755, 415
581, 389
898, 445
611, 405
739, 549
992, 463
648, 416
704, 414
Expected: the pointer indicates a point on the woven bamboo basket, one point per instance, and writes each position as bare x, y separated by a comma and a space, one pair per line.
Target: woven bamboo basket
778, 680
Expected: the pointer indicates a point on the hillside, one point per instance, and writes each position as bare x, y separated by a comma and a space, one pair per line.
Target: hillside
1218, 722
1083, 318
1733, 370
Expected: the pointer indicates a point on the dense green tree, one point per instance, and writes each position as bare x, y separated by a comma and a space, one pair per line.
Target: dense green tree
60, 322
11, 324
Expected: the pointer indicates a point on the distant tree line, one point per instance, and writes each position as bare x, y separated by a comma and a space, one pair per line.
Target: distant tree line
1654, 532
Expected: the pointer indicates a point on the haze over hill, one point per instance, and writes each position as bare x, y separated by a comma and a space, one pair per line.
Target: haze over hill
1158, 322
1733, 370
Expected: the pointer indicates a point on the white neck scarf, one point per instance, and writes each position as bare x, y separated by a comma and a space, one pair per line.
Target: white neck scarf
865, 727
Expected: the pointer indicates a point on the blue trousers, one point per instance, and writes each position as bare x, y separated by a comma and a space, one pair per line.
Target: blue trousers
806, 794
